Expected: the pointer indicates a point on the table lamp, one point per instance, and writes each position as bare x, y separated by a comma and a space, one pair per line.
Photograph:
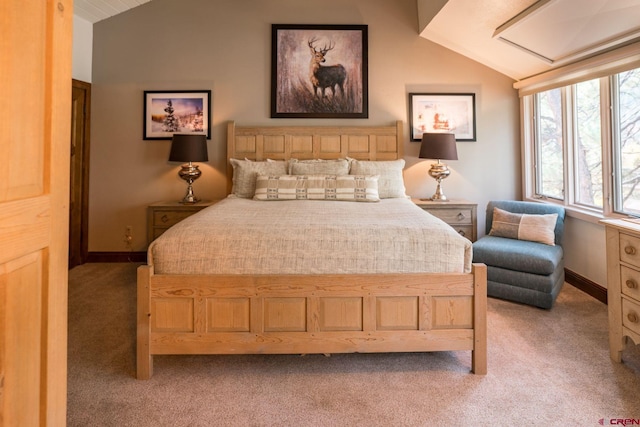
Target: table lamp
189, 148
438, 146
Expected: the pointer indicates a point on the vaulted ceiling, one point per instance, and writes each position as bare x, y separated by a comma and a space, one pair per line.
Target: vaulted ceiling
519, 38
97, 10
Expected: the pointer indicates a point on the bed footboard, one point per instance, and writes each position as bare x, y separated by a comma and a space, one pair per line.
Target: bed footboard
291, 314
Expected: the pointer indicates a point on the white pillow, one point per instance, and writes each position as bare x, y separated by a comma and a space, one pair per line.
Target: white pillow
354, 188
245, 173
319, 167
391, 182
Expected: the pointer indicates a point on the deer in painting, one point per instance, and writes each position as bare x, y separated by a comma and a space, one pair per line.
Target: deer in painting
323, 77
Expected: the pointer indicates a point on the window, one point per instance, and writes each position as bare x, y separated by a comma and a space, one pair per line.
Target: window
549, 146
626, 132
583, 141
588, 144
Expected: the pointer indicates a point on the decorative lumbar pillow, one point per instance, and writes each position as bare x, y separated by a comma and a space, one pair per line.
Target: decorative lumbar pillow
391, 182
319, 167
355, 188
245, 173
535, 228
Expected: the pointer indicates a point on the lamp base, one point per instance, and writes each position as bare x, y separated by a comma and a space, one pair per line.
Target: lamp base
439, 171
189, 173
189, 198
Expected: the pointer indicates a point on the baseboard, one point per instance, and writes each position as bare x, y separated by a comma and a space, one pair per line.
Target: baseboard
117, 257
586, 285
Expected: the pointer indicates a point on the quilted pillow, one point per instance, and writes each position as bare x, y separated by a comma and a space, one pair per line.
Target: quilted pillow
391, 182
245, 173
355, 188
535, 228
319, 167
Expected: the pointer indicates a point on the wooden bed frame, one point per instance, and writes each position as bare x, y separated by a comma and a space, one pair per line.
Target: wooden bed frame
304, 314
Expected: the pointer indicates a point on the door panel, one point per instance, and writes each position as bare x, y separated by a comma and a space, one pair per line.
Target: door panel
79, 174
35, 79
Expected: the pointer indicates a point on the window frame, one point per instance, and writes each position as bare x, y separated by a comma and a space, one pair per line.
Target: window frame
570, 147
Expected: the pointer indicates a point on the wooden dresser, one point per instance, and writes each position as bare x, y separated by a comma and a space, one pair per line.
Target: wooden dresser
623, 284
458, 213
162, 215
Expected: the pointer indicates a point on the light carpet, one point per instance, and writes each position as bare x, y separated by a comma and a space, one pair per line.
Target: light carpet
545, 368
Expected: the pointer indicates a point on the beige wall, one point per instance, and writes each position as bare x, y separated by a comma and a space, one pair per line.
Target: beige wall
224, 45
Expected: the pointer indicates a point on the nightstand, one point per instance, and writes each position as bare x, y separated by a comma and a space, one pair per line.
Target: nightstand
458, 213
162, 215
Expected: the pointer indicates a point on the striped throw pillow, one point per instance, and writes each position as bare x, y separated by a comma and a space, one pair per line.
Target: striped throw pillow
355, 188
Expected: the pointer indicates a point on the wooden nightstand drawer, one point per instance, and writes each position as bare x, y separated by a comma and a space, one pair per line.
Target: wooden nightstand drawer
454, 216
630, 282
459, 214
630, 249
163, 215
631, 315
168, 218
464, 230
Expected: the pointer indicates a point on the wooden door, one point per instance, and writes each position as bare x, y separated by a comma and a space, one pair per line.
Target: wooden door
35, 82
79, 173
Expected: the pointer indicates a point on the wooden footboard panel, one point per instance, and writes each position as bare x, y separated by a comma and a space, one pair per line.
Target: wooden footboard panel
291, 314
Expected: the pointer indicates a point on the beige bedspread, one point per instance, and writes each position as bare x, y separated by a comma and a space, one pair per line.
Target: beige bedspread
242, 236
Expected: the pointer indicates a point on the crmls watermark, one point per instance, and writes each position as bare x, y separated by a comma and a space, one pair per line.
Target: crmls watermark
619, 422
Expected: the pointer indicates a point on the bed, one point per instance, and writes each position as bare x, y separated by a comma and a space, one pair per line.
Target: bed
217, 292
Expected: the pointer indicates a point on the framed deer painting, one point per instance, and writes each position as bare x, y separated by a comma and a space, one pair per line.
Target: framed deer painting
319, 71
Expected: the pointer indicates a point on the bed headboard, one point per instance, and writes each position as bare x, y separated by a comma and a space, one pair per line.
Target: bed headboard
313, 142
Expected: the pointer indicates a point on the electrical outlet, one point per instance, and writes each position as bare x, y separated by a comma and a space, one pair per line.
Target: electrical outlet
128, 236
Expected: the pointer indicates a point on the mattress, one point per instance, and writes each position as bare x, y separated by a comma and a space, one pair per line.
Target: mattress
244, 236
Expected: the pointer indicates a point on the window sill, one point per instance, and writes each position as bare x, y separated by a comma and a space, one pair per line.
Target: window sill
577, 212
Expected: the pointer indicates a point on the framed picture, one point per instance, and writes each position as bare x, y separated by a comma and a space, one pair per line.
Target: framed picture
319, 71
443, 112
169, 112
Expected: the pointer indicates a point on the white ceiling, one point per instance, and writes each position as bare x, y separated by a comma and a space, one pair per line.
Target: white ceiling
97, 10
519, 38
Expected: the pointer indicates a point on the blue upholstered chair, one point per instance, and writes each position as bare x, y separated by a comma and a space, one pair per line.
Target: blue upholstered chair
520, 270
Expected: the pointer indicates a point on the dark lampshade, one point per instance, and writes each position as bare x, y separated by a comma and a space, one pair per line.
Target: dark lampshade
188, 148
438, 146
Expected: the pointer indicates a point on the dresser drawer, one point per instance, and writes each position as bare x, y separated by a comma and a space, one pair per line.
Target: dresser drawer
631, 315
630, 282
453, 216
169, 218
630, 249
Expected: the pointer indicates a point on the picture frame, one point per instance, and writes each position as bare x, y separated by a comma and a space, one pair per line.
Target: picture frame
319, 71
443, 112
176, 111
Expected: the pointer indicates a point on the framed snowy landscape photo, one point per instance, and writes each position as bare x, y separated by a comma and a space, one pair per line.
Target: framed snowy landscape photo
169, 112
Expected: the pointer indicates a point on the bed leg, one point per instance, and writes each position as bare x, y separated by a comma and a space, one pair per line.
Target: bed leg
479, 352
144, 359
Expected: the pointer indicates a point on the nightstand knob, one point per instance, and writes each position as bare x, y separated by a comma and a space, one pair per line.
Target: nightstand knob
164, 218
462, 233
633, 318
460, 216
630, 250
631, 284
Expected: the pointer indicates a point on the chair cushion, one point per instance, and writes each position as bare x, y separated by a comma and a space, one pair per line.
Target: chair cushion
519, 255
535, 228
